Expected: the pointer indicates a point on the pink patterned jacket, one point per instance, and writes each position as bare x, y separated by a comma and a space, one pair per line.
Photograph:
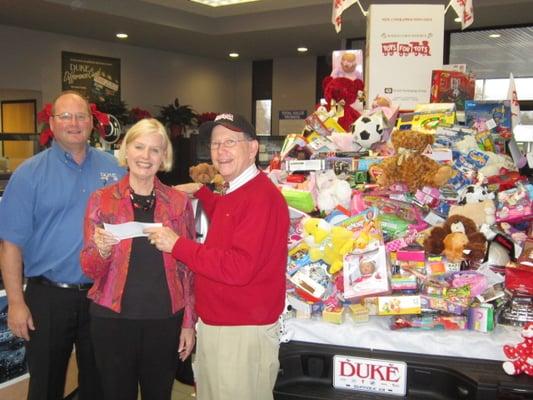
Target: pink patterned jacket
112, 205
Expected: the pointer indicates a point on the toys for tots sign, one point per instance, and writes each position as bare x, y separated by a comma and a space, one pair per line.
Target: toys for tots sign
405, 43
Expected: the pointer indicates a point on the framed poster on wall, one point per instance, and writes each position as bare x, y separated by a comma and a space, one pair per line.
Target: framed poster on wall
96, 77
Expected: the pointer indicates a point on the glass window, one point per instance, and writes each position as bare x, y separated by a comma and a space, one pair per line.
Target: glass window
263, 117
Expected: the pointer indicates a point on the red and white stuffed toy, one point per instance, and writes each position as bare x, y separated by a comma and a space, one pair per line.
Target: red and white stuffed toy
520, 355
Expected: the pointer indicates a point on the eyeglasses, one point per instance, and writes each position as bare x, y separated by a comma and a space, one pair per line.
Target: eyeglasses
67, 117
226, 143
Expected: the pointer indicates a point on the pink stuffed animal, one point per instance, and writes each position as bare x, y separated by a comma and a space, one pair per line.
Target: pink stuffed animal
520, 355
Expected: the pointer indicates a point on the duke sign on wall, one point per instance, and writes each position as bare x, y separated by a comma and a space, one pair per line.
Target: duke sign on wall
405, 42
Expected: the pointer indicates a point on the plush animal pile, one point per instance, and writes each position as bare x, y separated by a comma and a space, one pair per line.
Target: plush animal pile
458, 239
409, 166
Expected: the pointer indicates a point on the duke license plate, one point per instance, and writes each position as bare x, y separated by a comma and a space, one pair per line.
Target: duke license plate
370, 375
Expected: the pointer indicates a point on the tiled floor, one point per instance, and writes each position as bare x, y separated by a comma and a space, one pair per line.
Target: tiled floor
182, 392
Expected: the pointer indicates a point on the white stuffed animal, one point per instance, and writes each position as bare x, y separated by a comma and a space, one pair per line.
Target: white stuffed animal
331, 191
476, 203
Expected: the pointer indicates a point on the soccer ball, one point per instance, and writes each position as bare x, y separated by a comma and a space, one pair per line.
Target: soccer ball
368, 130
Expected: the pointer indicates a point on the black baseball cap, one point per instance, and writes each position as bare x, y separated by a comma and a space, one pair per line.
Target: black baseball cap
235, 122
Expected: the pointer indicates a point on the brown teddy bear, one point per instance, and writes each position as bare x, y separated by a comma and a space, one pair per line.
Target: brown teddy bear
409, 166
206, 174
458, 239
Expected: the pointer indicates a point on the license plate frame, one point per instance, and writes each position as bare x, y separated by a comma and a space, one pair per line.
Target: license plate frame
370, 375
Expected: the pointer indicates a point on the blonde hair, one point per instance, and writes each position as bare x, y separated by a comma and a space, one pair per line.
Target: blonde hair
147, 126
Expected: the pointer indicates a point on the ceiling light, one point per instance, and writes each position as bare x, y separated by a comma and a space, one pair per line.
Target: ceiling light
234, 55
122, 35
458, 19
221, 3
302, 49
494, 35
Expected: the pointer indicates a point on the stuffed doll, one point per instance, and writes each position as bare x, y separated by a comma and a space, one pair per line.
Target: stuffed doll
206, 174
342, 92
458, 239
520, 355
382, 104
409, 166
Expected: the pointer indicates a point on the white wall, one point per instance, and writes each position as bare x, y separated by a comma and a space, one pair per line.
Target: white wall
31, 60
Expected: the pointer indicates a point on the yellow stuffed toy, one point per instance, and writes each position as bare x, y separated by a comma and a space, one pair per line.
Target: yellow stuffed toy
328, 243
409, 166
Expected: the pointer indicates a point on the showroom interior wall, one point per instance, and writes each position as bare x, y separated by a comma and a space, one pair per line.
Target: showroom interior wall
31, 61
293, 86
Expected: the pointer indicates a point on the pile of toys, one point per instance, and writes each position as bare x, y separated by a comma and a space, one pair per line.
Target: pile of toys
411, 216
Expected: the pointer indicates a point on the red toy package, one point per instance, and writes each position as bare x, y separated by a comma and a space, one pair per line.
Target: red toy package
452, 87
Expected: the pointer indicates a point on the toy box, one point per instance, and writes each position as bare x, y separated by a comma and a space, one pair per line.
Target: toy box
441, 304
366, 273
452, 87
399, 305
481, 318
341, 165
425, 122
359, 313
430, 321
335, 315
492, 115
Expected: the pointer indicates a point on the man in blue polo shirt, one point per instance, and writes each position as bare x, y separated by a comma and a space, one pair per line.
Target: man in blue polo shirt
41, 227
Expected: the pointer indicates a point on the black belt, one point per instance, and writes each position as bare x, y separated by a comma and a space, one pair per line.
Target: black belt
41, 280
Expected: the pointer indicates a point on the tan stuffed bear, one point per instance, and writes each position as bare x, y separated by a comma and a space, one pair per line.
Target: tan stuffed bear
206, 174
409, 166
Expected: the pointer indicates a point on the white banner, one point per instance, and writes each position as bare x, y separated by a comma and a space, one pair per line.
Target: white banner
464, 10
519, 159
339, 6
405, 44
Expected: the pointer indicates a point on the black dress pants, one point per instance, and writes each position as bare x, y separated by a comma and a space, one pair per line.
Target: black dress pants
61, 318
132, 353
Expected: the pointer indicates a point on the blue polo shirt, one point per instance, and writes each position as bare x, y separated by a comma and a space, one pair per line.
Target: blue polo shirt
43, 208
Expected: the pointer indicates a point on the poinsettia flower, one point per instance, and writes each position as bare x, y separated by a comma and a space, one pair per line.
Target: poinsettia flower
45, 114
138, 113
102, 120
207, 116
45, 136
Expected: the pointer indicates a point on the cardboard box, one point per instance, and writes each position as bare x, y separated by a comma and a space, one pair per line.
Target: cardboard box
452, 87
495, 115
399, 305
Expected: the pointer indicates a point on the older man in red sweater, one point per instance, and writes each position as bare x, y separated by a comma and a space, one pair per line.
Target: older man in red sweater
240, 269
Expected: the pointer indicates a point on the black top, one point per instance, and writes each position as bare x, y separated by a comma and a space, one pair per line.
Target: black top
146, 294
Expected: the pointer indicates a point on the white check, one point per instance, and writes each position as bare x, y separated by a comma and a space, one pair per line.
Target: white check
130, 229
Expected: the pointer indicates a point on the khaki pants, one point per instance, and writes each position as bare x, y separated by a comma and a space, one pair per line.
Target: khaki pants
236, 362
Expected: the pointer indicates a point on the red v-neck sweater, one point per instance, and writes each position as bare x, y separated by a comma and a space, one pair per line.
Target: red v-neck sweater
240, 269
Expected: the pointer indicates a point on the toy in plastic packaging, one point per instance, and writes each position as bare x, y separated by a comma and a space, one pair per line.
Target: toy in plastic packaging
366, 273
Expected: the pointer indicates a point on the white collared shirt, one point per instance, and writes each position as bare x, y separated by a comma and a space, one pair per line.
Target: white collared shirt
247, 175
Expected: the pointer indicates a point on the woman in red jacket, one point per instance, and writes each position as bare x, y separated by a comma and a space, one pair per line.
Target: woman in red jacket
142, 299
